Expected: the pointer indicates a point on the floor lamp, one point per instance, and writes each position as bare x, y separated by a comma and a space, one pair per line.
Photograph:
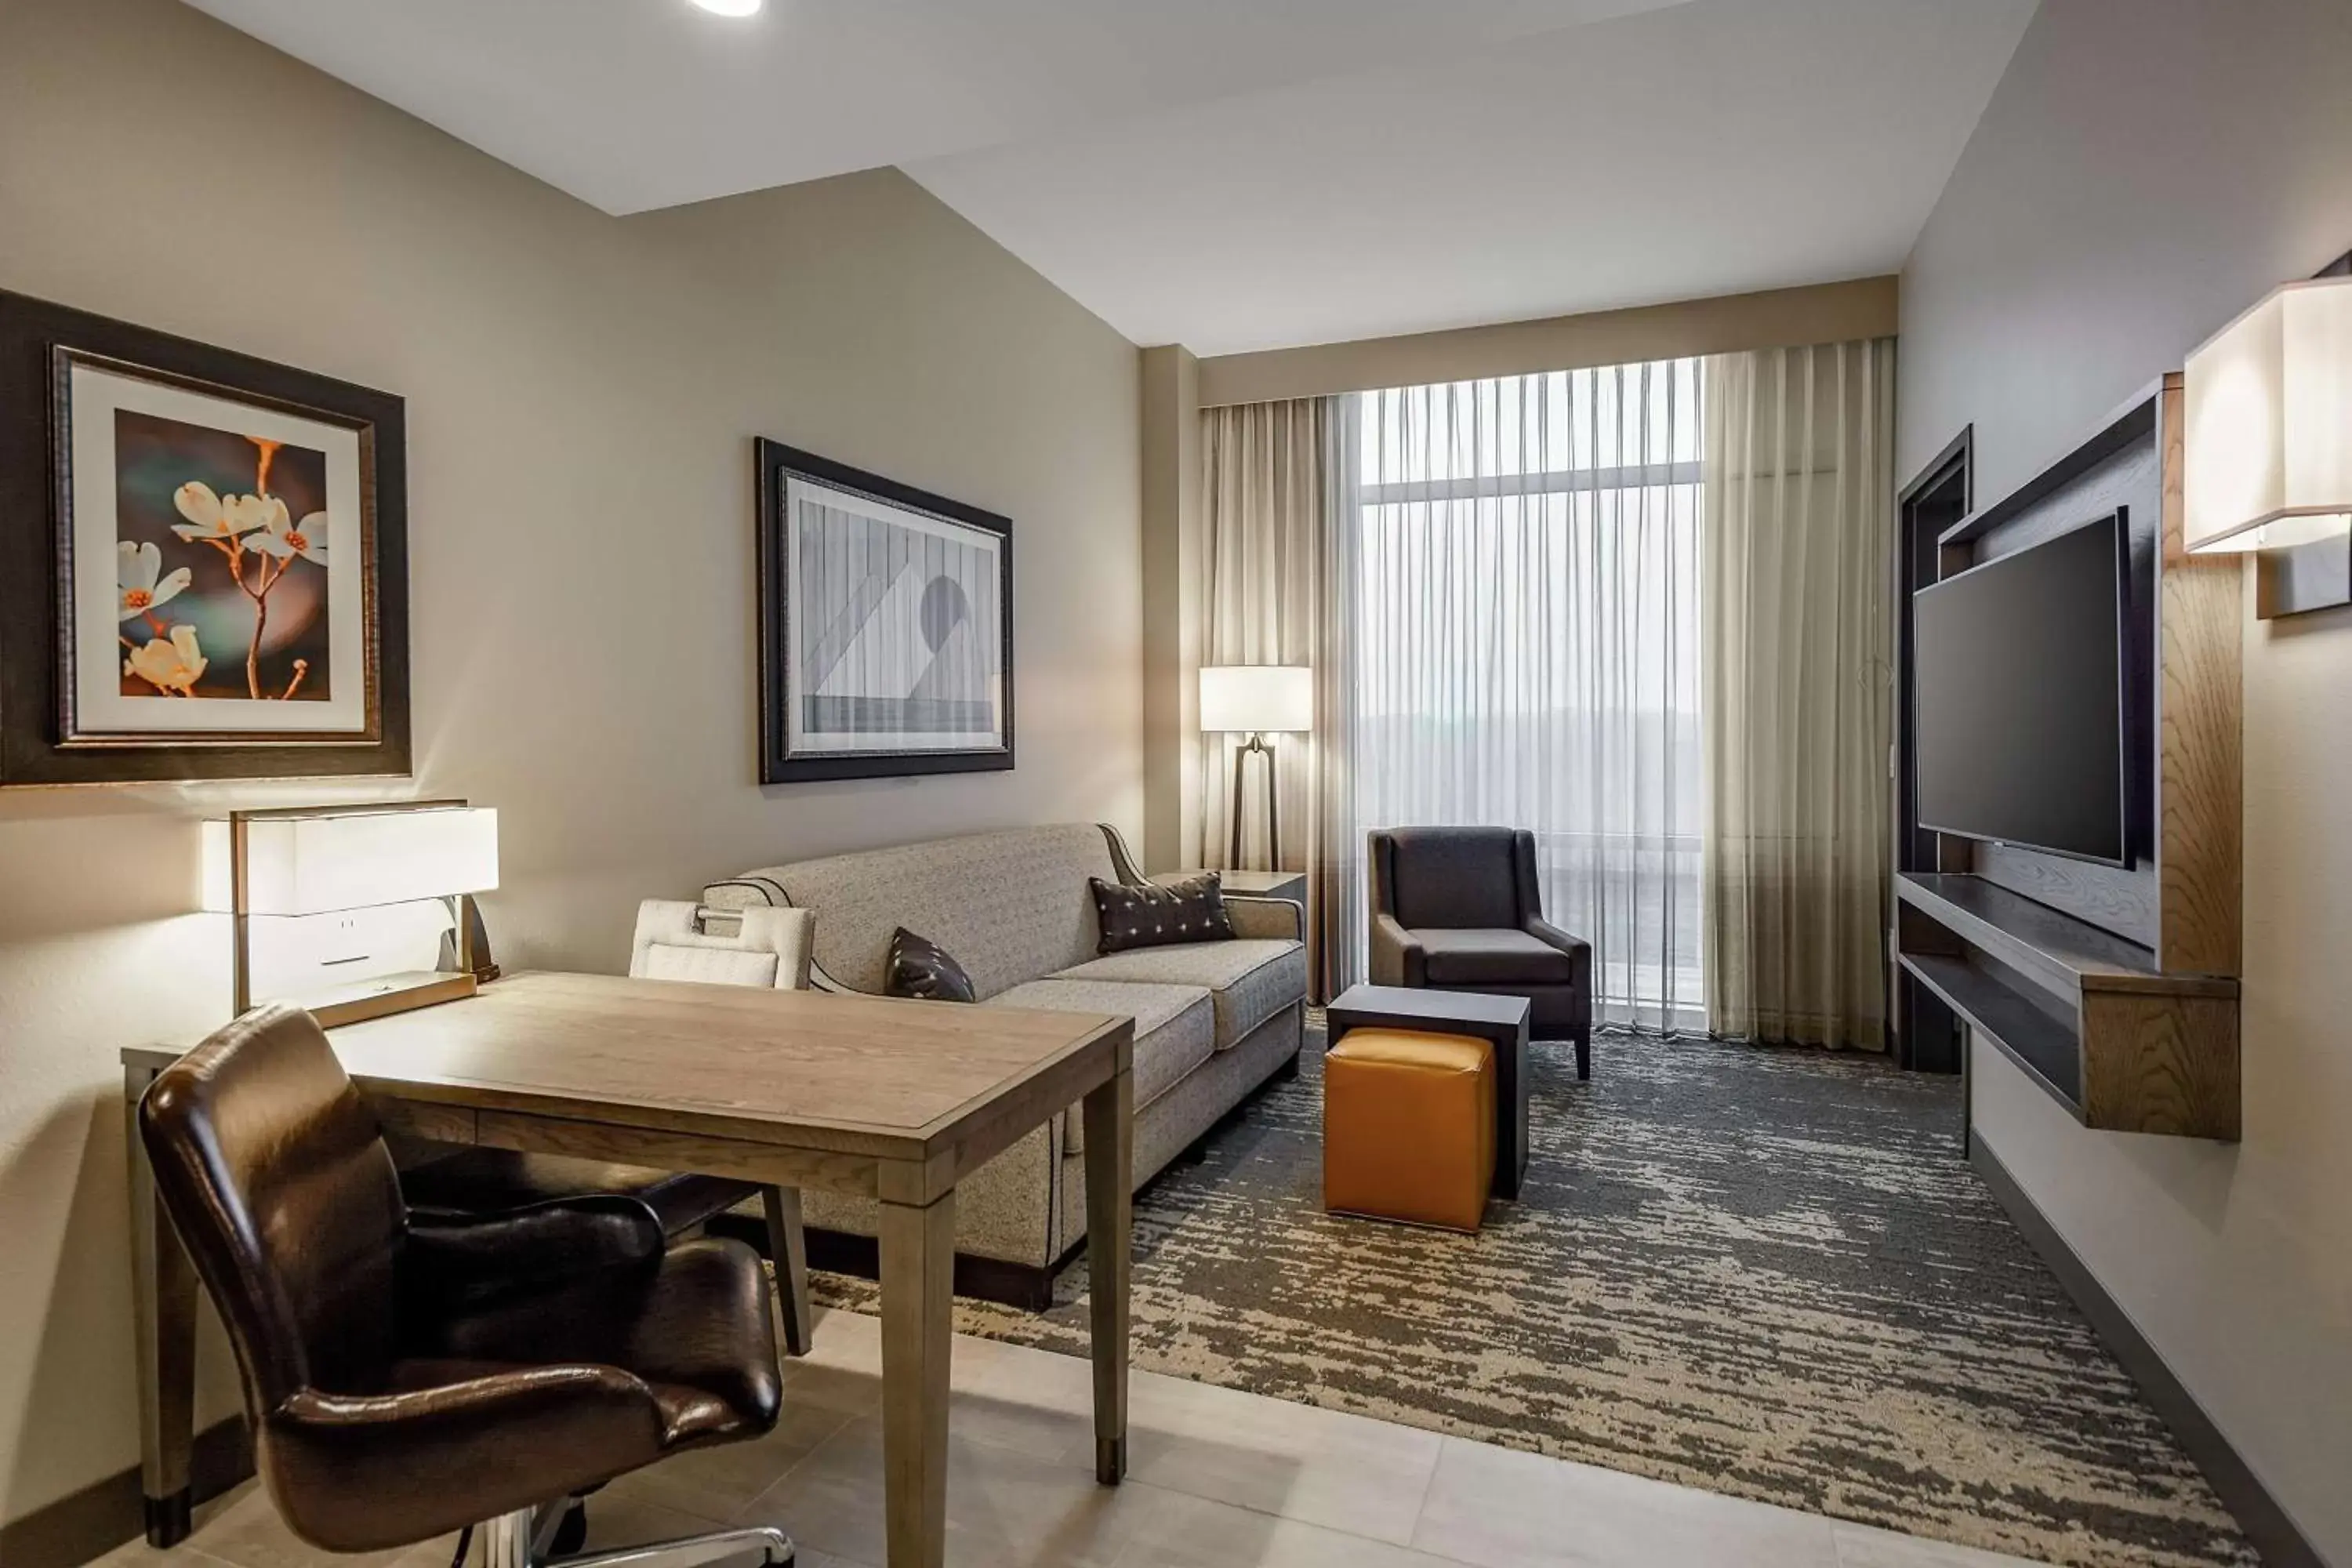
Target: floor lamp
1256, 700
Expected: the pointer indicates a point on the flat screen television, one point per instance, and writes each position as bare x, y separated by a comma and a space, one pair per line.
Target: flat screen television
2018, 696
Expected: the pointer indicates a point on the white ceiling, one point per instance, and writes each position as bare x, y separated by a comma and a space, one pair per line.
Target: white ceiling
1245, 173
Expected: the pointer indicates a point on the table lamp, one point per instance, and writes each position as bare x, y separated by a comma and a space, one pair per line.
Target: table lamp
1256, 700
302, 861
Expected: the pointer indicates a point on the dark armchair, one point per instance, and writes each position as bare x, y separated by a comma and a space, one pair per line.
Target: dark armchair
1457, 909
406, 1376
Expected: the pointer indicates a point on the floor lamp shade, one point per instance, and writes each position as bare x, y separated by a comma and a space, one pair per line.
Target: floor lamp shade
2269, 424
1258, 698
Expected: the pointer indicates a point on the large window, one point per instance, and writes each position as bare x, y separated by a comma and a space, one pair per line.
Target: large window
1526, 632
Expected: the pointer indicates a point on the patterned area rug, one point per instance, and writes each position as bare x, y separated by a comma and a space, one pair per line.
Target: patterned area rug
1766, 1272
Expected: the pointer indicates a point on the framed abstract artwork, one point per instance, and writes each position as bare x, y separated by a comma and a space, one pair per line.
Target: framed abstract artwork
885, 625
203, 560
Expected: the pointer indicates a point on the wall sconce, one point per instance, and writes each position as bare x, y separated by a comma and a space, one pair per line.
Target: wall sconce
2268, 463
290, 864
1256, 700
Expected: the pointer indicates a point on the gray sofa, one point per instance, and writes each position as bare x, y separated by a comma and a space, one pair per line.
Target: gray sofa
1212, 1020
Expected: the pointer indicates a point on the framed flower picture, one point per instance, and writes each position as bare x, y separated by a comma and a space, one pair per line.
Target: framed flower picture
203, 560
885, 625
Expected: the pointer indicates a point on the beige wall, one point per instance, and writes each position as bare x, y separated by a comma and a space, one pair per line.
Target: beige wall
1728, 323
1171, 608
2148, 169
581, 394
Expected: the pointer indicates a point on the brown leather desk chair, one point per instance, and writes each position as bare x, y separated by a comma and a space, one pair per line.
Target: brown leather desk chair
1458, 909
406, 1376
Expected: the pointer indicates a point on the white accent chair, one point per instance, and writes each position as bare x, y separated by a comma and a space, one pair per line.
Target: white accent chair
771, 950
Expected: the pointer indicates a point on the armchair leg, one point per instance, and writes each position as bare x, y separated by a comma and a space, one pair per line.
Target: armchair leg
1584, 1052
519, 1540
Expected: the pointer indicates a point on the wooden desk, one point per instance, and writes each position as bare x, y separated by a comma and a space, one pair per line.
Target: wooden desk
888, 1100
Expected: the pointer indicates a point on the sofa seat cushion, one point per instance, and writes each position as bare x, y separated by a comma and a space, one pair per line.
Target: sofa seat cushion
1251, 980
1493, 955
1175, 1030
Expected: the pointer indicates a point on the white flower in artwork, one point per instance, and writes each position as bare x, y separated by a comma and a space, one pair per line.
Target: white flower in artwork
285, 540
172, 666
212, 517
137, 568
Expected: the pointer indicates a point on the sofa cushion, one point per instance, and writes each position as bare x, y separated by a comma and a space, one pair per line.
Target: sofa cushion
1175, 1030
1251, 980
1189, 909
925, 971
1010, 906
1492, 956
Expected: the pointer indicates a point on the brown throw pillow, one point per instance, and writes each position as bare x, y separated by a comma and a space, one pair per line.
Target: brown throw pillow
923, 970
1190, 909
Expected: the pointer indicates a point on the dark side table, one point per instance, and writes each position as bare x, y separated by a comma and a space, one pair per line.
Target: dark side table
1291, 885
1500, 1020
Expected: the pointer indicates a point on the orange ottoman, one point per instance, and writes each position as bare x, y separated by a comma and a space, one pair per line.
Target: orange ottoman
1409, 1127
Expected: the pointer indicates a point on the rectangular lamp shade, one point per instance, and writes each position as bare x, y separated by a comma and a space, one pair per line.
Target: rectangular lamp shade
1257, 698
317, 864
2268, 423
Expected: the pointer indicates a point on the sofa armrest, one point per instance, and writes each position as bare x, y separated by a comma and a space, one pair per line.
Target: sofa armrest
1397, 958
1281, 920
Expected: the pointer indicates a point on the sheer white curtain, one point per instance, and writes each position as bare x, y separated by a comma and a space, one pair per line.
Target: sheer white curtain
1524, 563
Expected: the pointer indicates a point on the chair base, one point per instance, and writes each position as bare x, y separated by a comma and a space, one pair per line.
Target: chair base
525, 1539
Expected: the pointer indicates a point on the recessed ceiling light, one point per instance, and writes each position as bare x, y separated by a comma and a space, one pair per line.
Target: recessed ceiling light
731, 7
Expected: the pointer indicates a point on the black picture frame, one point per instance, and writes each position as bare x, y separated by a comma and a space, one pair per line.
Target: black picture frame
40, 344
776, 466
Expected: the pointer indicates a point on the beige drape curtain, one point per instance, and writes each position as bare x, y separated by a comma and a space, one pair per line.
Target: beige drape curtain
1798, 495
1273, 487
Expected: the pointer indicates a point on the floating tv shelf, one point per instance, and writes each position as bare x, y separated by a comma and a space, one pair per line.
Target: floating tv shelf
2122, 1045
2113, 988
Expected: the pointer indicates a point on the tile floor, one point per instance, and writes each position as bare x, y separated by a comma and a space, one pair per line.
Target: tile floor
1219, 1478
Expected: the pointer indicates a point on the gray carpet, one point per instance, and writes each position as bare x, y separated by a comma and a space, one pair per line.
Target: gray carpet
1766, 1272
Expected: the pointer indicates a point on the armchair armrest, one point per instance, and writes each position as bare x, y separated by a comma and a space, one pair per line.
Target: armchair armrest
456, 1448
1280, 920
1397, 958
1579, 951
458, 1261
1550, 935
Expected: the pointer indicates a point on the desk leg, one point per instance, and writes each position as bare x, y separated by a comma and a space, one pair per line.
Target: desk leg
918, 1249
1109, 1113
163, 1288
788, 1248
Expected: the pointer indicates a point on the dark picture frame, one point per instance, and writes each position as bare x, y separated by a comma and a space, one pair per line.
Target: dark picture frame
50, 355
953, 620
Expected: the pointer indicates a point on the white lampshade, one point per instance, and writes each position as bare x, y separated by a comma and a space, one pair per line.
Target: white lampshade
311, 865
2269, 424
1257, 698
